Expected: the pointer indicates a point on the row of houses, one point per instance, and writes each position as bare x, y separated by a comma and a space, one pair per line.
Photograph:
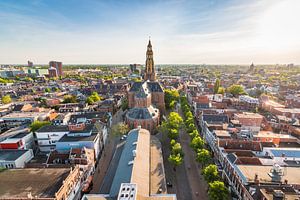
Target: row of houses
255, 160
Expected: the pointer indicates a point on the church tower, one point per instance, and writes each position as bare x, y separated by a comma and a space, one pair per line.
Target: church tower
149, 68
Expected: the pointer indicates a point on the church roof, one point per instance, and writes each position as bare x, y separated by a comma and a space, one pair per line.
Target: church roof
151, 85
143, 91
155, 87
142, 113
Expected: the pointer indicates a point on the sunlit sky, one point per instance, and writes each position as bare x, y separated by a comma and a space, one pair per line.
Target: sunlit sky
182, 31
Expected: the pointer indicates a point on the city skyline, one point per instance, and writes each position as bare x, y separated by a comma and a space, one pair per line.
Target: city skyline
115, 32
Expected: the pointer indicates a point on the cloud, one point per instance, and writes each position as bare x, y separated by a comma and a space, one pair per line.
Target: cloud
182, 32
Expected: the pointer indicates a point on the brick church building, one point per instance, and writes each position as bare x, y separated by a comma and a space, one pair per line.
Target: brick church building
146, 99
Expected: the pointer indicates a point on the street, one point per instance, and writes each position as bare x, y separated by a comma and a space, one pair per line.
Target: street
107, 157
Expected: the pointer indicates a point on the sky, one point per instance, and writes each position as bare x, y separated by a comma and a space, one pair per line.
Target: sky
181, 31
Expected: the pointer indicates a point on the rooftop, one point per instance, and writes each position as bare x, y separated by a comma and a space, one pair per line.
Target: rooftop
124, 170
39, 182
143, 113
274, 104
291, 174
11, 155
53, 128
248, 115
152, 86
23, 115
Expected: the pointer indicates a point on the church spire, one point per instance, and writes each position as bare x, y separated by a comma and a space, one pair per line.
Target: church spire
149, 67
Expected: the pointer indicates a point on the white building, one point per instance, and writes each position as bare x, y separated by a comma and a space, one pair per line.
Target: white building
15, 158
47, 136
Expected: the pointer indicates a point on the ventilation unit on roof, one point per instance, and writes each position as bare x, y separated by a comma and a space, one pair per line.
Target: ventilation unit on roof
134, 143
130, 162
134, 153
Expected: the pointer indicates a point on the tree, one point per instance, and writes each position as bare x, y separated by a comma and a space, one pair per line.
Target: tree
203, 156
95, 96
218, 191
171, 97
236, 90
189, 120
6, 99
197, 142
47, 90
176, 149
217, 86
189, 114
174, 120
36, 125
172, 142
221, 90
70, 99
210, 173
124, 104
89, 100
191, 127
56, 89
175, 160
194, 134
120, 129
173, 133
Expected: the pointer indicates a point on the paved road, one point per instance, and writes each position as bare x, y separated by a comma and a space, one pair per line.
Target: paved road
104, 161
195, 178
178, 178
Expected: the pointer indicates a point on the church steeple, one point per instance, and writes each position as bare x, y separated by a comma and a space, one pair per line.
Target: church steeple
149, 67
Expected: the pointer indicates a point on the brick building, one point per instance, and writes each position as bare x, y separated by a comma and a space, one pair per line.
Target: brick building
146, 99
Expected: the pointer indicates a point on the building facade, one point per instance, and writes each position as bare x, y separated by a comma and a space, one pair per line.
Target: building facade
146, 99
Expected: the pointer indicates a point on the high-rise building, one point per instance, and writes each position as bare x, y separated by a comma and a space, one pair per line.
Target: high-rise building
57, 66
52, 72
29, 63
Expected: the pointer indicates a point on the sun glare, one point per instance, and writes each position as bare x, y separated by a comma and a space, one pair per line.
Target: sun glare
279, 26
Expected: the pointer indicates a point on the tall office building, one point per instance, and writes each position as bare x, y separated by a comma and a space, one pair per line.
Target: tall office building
57, 66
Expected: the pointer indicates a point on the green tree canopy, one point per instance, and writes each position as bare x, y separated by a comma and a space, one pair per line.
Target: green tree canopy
173, 133
210, 173
197, 142
175, 159
89, 100
70, 99
34, 126
120, 129
3, 80
6, 99
174, 120
203, 156
176, 149
217, 85
236, 90
218, 191
194, 134
124, 104
171, 97
94, 97
47, 90
221, 90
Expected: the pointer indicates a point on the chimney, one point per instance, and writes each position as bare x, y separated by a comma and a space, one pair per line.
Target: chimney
278, 195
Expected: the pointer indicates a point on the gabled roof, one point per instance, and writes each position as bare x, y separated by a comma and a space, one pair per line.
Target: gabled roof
153, 86
215, 118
